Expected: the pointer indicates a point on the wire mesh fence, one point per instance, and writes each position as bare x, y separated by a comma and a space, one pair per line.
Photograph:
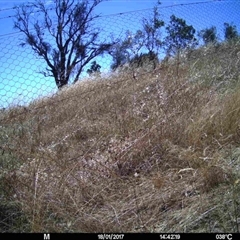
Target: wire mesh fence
20, 70
122, 149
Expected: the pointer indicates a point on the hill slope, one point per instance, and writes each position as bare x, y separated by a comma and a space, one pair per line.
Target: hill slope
159, 153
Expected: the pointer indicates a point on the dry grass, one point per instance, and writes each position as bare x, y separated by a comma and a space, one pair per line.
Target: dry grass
154, 154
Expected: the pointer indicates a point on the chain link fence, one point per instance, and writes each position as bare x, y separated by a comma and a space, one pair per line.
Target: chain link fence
21, 81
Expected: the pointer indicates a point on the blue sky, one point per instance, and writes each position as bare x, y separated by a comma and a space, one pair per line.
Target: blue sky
19, 80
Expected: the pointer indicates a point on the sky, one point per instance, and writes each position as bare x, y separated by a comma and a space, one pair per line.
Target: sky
20, 80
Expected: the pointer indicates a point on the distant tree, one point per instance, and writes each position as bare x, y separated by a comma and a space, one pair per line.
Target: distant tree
179, 36
144, 59
209, 35
63, 35
230, 31
95, 68
147, 39
152, 32
119, 53
134, 42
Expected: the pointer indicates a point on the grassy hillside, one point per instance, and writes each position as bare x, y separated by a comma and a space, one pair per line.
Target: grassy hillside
159, 153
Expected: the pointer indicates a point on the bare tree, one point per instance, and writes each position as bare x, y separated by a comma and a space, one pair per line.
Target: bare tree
63, 35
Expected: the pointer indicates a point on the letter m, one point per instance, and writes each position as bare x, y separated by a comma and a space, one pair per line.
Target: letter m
46, 236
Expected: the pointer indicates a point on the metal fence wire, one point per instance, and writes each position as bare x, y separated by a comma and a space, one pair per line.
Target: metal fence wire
59, 148
21, 80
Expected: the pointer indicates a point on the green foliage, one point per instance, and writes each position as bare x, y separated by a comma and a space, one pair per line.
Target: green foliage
119, 53
152, 32
149, 37
179, 36
95, 68
209, 35
144, 59
230, 31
